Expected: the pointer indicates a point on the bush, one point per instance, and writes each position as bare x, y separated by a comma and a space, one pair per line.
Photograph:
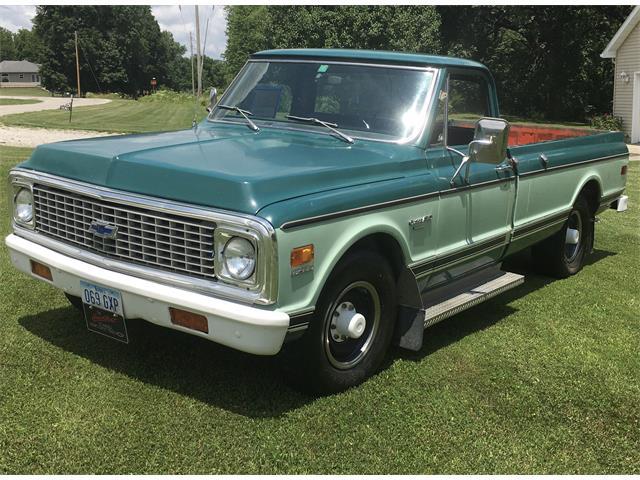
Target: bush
111, 96
606, 122
167, 96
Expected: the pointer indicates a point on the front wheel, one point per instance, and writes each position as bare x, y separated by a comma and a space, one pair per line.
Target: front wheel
351, 330
564, 253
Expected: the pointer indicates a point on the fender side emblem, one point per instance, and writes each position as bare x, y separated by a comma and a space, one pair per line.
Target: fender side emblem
417, 223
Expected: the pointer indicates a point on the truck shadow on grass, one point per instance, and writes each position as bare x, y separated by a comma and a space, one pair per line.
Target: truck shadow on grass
241, 383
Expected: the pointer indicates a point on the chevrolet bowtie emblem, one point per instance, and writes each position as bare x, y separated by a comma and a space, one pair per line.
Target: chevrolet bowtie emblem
103, 229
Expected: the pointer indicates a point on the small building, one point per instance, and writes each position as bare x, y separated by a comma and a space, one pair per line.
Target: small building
624, 49
19, 74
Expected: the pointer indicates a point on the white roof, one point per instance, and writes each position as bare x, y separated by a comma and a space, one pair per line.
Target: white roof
18, 66
622, 34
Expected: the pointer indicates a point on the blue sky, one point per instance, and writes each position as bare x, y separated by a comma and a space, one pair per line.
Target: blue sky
14, 17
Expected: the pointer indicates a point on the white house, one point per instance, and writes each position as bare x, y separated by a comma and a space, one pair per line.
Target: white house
624, 49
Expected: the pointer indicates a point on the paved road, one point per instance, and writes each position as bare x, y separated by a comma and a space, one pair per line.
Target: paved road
47, 103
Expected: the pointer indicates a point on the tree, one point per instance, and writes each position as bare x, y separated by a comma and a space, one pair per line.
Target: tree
545, 59
7, 47
28, 46
121, 48
247, 32
405, 28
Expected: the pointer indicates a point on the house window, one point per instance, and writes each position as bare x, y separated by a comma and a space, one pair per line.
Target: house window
22, 75
33, 78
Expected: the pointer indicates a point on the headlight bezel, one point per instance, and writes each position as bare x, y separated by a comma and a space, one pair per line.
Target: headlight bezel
223, 234
16, 188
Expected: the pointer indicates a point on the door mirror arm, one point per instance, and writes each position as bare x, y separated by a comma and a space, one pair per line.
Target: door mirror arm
465, 161
466, 158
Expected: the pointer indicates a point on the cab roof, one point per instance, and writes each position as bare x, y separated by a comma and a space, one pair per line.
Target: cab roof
369, 56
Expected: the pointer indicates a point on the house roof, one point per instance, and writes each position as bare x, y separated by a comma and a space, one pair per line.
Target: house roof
374, 56
622, 34
19, 66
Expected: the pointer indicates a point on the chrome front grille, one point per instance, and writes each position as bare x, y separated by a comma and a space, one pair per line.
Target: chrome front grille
144, 236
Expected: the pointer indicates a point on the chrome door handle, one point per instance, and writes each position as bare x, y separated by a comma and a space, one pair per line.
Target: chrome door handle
503, 168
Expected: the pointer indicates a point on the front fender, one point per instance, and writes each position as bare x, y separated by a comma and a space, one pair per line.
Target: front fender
331, 241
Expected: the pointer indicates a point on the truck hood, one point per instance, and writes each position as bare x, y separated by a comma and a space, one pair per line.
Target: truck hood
226, 166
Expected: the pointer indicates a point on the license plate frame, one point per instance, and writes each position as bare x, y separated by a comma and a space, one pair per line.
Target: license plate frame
103, 311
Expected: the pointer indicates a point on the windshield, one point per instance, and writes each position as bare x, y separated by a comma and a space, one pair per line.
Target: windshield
379, 102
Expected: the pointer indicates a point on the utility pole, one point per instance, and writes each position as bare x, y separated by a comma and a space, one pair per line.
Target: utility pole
77, 64
204, 45
193, 78
199, 54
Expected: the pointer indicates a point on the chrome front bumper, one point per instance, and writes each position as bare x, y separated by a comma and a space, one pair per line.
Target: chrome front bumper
249, 329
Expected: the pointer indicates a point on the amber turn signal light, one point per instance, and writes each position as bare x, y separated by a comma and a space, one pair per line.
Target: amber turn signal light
41, 270
623, 170
301, 255
190, 320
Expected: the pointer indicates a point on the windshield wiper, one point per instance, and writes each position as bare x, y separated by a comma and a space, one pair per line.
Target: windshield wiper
330, 126
245, 114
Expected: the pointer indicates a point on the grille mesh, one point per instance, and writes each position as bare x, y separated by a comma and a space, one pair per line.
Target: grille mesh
157, 239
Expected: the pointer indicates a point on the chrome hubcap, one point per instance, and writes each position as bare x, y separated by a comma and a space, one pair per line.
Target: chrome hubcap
351, 325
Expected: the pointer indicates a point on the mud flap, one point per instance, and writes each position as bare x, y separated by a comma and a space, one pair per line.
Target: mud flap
409, 330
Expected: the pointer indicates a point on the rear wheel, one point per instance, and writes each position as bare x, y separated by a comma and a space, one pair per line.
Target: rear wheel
351, 330
564, 253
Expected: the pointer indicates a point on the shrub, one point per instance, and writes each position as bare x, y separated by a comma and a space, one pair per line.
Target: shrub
606, 122
167, 96
111, 96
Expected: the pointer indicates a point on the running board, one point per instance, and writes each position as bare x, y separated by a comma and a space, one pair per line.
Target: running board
473, 296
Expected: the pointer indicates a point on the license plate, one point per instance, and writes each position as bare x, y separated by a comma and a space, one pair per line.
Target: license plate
103, 311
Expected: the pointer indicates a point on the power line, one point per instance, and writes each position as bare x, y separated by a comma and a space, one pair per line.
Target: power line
84, 54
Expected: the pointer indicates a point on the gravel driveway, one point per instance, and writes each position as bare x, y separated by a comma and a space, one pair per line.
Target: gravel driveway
47, 103
32, 137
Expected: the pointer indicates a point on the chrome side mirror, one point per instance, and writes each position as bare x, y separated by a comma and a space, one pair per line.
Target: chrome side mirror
490, 141
489, 145
213, 95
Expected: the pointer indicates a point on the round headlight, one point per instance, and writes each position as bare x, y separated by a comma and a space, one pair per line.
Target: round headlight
24, 206
239, 258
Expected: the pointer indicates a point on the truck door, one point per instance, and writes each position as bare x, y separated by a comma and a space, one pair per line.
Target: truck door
475, 215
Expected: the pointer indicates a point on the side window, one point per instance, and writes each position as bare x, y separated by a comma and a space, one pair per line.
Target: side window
468, 102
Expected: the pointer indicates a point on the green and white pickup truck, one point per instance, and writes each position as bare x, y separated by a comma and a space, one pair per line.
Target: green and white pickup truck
333, 202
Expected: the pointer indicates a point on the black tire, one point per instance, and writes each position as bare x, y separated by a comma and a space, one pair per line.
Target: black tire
75, 301
320, 364
556, 257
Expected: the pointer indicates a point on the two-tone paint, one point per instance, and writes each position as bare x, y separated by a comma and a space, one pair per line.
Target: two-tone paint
314, 189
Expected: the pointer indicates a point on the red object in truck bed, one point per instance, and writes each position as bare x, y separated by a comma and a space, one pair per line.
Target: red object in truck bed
524, 134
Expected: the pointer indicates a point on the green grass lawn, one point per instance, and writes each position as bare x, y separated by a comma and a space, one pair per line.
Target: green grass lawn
543, 379
129, 116
24, 91
16, 101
